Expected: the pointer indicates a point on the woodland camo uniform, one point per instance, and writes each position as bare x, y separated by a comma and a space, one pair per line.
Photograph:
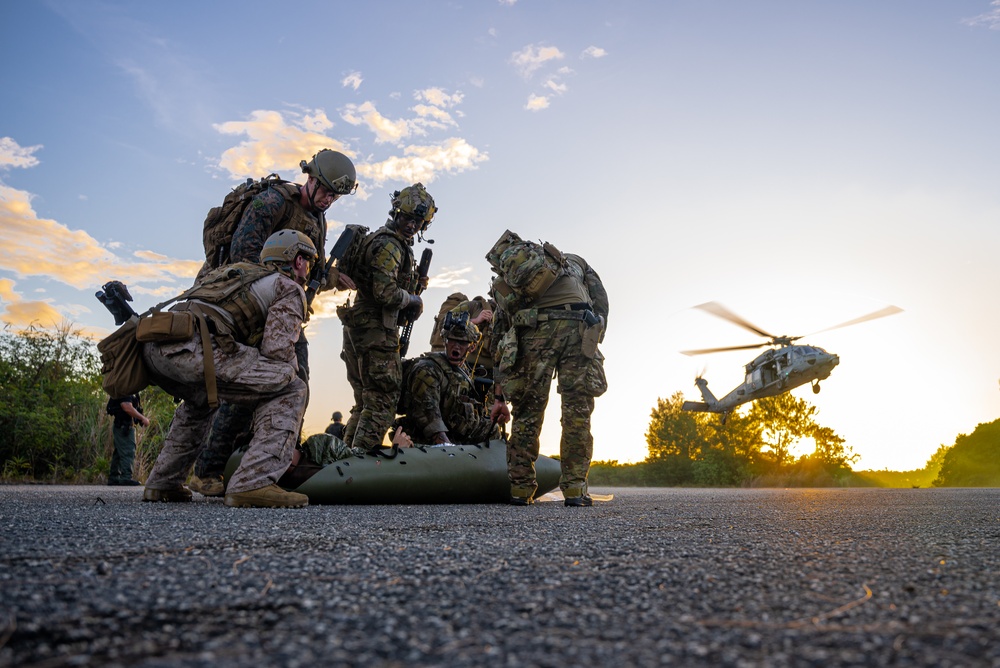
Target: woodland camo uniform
387, 282
548, 340
439, 396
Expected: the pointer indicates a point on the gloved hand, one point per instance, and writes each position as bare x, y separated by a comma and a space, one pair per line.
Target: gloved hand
414, 308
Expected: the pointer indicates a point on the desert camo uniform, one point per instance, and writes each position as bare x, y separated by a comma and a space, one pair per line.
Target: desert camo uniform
263, 378
550, 341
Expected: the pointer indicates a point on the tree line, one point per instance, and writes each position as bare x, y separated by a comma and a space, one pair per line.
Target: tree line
54, 427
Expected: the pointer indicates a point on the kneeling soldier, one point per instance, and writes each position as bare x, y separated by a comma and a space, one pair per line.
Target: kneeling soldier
439, 398
250, 317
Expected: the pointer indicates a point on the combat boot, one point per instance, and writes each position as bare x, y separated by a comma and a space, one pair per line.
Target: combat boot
579, 501
271, 496
207, 486
177, 495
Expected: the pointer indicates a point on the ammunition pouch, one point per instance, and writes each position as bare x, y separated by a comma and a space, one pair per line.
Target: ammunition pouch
165, 326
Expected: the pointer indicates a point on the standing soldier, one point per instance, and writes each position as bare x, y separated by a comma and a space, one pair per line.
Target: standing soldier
552, 331
439, 399
248, 319
387, 282
127, 412
292, 207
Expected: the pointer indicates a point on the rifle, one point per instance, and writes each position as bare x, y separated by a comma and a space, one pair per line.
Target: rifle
337, 254
115, 296
422, 271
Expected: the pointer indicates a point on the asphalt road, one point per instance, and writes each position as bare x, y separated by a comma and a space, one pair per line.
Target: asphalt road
91, 576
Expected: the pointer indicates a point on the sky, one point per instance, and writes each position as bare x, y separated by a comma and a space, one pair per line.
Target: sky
802, 163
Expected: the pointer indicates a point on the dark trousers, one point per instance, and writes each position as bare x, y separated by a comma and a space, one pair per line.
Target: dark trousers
124, 454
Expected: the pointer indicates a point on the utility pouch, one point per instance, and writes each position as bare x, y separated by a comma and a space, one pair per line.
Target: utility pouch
165, 326
526, 317
508, 350
591, 335
122, 369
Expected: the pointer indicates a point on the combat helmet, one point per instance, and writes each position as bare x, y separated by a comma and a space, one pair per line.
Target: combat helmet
416, 202
456, 326
334, 170
282, 247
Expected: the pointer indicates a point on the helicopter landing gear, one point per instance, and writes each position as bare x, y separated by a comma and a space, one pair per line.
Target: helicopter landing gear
816, 388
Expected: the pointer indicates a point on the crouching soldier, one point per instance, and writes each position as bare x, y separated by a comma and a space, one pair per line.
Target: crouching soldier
439, 399
248, 317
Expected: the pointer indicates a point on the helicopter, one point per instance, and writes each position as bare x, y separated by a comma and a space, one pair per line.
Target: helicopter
784, 366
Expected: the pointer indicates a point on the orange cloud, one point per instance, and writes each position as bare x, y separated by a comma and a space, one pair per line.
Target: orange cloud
36, 246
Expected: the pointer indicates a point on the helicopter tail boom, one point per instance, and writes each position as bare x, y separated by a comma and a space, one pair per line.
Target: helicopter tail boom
710, 405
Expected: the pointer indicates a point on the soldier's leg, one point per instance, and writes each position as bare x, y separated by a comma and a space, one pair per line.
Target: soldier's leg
381, 373
353, 363
276, 425
231, 429
383, 380
181, 446
522, 448
118, 471
580, 379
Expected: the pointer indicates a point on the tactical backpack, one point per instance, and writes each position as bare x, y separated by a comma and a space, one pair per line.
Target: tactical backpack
349, 248
526, 267
222, 220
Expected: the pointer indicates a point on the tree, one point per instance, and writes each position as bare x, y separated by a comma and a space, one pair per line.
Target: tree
50, 399
782, 420
673, 439
974, 460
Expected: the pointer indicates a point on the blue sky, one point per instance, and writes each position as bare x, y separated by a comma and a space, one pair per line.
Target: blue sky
802, 163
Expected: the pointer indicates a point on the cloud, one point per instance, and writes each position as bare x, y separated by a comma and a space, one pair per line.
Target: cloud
14, 155
555, 86
439, 98
593, 52
352, 80
423, 163
45, 248
449, 278
537, 102
528, 60
507, 3
276, 143
385, 130
990, 19
21, 315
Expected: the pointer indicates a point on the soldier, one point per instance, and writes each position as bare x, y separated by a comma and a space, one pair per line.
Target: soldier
387, 286
555, 332
255, 315
439, 400
331, 175
480, 310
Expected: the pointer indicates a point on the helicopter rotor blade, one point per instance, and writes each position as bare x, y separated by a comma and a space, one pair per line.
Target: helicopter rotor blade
881, 313
720, 311
706, 351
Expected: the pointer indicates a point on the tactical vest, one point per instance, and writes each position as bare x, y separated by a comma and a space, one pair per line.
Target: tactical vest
228, 288
465, 418
570, 287
406, 275
313, 226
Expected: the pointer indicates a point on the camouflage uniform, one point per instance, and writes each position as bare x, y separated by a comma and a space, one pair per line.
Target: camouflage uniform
439, 397
262, 378
533, 341
459, 303
269, 212
385, 277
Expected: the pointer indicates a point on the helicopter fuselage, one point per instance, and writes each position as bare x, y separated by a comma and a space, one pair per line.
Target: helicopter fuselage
773, 372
